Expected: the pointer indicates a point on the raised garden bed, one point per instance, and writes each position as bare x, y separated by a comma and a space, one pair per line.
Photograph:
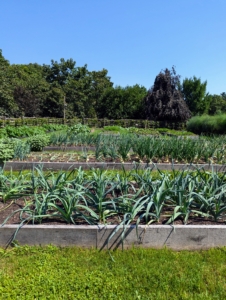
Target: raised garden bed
117, 205
62, 161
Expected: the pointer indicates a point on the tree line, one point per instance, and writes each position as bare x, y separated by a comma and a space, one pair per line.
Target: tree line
34, 90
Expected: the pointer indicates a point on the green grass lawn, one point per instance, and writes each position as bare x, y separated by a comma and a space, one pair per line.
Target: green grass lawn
74, 273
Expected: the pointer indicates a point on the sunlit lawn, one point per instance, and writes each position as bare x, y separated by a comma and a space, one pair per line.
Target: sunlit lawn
73, 273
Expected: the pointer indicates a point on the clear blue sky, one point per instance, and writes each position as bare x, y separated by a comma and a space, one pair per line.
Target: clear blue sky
133, 39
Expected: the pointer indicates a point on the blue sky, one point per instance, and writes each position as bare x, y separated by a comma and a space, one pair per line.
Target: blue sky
134, 40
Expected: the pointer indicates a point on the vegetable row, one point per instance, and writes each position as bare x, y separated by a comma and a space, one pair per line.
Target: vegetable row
100, 197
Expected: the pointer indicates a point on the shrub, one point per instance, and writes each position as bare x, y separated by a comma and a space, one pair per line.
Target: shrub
37, 143
54, 127
207, 124
78, 128
6, 150
3, 133
23, 131
116, 129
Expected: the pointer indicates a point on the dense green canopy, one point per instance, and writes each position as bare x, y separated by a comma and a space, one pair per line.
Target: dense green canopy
40, 90
34, 90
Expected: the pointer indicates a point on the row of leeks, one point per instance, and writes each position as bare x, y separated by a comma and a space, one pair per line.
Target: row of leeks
139, 148
149, 148
122, 198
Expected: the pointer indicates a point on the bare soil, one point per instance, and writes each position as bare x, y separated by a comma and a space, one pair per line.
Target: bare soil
70, 157
7, 209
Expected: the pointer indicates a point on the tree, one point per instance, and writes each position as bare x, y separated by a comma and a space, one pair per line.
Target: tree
118, 102
111, 103
164, 101
81, 87
59, 76
53, 104
59, 72
29, 89
78, 93
100, 82
217, 105
7, 105
133, 101
194, 92
223, 95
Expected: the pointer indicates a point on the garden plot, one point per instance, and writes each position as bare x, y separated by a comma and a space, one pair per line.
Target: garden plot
99, 197
120, 199
131, 148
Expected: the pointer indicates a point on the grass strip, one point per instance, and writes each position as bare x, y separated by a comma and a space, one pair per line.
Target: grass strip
74, 273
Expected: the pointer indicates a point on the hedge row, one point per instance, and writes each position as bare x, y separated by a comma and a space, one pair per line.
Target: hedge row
99, 123
207, 124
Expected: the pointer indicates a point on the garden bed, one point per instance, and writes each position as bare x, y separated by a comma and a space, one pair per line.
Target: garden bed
189, 196
112, 207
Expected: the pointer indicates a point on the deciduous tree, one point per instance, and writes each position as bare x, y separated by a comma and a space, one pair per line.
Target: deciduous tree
194, 92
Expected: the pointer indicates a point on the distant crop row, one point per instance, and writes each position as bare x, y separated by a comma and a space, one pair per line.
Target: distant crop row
125, 147
148, 148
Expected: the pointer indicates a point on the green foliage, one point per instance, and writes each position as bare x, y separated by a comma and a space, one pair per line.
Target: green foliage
30, 89
136, 197
143, 131
66, 273
207, 124
116, 129
172, 132
7, 105
21, 149
3, 133
194, 92
19, 130
217, 105
54, 127
78, 129
166, 148
39, 90
23, 131
6, 150
119, 102
38, 142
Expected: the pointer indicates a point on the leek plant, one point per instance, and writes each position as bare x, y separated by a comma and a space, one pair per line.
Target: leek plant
155, 201
122, 183
124, 145
97, 191
13, 187
71, 208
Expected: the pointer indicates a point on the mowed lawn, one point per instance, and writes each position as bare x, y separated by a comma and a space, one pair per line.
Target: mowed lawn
75, 273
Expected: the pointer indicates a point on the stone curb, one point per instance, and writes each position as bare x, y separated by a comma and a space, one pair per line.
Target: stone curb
20, 165
178, 237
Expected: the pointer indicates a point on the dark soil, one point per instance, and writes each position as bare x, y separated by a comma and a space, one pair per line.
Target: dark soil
7, 209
